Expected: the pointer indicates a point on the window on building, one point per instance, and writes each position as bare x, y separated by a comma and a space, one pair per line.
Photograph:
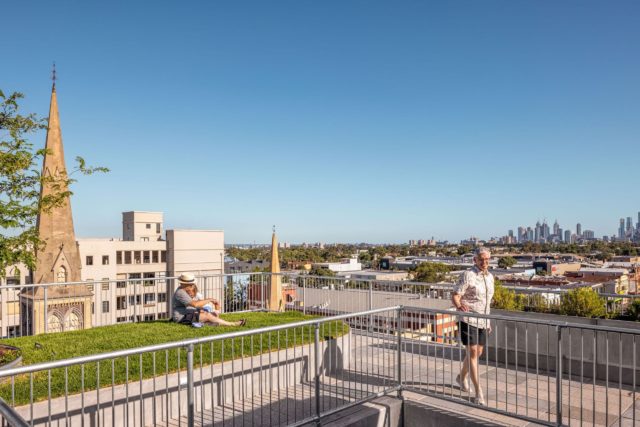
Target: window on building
105, 284
146, 257
121, 281
121, 303
135, 299
90, 284
121, 319
105, 306
149, 298
137, 257
163, 256
105, 259
13, 278
13, 331
158, 227
127, 257
163, 316
135, 318
133, 276
149, 276
118, 257
148, 226
162, 297
93, 308
89, 260
144, 239
154, 257
149, 317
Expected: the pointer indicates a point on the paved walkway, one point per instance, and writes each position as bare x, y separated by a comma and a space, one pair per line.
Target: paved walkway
431, 369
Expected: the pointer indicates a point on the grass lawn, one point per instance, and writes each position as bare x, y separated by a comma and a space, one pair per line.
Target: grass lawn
55, 346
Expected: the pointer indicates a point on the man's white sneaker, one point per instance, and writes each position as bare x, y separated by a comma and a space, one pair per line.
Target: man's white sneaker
464, 385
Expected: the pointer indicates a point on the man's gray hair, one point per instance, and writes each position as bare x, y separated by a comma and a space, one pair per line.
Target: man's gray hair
480, 251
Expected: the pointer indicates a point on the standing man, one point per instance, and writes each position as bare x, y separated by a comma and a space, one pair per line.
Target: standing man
473, 294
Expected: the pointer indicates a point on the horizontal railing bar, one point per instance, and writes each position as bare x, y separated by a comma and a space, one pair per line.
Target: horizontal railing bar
599, 328
176, 344
439, 286
143, 279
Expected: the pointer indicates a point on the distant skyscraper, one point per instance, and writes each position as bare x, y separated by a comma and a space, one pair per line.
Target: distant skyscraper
538, 231
629, 224
589, 234
579, 229
621, 229
510, 233
529, 234
556, 228
545, 233
567, 236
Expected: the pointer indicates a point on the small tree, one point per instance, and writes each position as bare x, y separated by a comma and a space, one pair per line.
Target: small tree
20, 183
583, 302
507, 262
506, 299
431, 272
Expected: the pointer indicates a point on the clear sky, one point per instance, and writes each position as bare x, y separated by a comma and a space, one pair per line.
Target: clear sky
340, 120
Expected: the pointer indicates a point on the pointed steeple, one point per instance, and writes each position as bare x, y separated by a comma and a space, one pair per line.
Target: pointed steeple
59, 259
275, 290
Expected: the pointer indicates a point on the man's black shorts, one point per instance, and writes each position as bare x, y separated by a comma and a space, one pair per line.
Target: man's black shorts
190, 317
470, 335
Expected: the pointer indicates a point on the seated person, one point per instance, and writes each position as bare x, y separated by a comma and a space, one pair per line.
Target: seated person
188, 310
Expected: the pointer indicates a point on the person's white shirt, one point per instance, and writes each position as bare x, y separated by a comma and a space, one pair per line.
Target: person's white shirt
476, 289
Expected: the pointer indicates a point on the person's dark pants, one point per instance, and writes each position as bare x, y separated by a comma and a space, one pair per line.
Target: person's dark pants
470, 335
190, 317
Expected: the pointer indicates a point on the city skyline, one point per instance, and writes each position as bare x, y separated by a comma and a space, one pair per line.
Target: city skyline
242, 118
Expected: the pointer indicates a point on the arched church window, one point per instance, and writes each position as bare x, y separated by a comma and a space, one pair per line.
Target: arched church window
62, 274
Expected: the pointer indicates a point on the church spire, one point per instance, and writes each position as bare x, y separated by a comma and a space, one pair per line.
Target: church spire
275, 288
59, 259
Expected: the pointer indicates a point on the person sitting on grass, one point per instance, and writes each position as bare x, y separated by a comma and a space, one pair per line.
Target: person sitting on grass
187, 310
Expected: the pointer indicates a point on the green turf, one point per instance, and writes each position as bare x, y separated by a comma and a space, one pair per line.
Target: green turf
104, 339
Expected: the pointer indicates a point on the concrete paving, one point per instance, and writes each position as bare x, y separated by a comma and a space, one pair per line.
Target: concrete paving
429, 372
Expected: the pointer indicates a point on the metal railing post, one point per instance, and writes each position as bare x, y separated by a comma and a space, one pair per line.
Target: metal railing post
190, 407
399, 354
304, 295
559, 376
46, 311
262, 291
316, 351
370, 296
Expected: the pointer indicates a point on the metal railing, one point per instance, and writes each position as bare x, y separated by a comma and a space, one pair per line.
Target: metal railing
331, 295
551, 373
55, 307
32, 309
289, 374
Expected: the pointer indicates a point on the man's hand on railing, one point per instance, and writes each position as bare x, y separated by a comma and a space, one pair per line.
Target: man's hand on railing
462, 307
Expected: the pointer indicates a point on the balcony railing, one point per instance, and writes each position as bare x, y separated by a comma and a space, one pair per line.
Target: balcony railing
45, 308
550, 373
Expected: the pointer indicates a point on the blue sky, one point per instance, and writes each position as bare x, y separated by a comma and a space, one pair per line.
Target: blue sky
340, 120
